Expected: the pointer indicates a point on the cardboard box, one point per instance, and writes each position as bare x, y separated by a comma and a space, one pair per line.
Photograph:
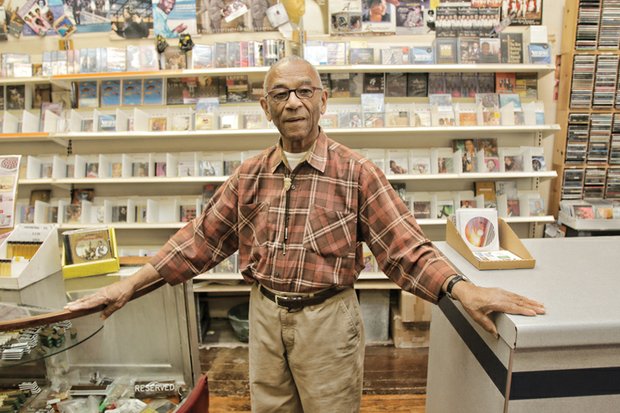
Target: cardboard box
414, 309
508, 240
408, 335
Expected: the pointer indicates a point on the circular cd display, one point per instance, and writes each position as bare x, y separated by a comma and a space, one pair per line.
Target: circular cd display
479, 232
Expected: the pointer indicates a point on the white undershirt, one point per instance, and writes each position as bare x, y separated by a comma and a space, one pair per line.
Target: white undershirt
294, 159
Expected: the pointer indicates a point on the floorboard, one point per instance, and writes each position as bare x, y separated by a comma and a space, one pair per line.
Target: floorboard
394, 379
371, 403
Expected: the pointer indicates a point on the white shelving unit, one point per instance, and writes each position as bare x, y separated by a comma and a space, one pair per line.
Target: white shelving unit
272, 133
252, 139
220, 179
178, 225
64, 80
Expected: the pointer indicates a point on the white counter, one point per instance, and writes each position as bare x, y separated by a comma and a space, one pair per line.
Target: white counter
567, 360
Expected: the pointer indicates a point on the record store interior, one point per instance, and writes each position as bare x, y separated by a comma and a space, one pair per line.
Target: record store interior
309, 206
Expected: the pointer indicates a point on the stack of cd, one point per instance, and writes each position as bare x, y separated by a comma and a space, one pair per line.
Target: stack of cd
600, 137
609, 35
613, 183
594, 185
583, 81
605, 82
587, 24
13, 354
614, 150
577, 138
572, 187
32, 387
66, 324
6, 337
30, 337
618, 96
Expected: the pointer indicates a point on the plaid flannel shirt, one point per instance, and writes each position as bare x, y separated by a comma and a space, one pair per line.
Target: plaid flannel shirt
310, 236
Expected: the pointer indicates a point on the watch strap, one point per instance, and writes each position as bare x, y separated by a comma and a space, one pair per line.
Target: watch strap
452, 282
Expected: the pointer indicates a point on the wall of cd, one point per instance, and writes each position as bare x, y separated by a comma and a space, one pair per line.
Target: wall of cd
380, 77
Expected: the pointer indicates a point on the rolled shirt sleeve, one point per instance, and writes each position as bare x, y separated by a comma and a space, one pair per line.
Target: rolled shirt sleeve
390, 230
205, 241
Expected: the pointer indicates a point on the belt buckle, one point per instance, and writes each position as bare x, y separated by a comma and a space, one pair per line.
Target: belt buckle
288, 302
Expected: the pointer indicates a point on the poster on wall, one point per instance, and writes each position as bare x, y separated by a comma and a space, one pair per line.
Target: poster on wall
412, 17
37, 16
9, 167
524, 12
89, 16
345, 16
131, 19
383, 16
64, 26
173, 17
378, 16
258, 15
221, 16
49, 17
3, 25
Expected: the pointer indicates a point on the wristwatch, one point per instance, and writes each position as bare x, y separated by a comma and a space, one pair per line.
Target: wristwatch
452, 282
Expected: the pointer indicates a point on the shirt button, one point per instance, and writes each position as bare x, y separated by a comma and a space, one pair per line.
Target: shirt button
277, 274
293, 187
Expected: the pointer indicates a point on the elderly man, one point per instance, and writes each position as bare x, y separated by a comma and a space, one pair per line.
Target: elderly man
298, 213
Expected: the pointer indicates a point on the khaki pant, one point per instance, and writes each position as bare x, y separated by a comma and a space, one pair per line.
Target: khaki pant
307, 361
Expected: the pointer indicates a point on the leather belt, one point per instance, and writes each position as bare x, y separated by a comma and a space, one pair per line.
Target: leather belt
296, 303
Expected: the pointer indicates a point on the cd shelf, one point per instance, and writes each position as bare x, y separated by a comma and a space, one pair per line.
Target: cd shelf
337, 132
64, 80
587, 149
270, 134
220, 179
178, 225
134, 189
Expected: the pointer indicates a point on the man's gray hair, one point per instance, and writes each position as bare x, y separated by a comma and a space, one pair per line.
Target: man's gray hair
288, 59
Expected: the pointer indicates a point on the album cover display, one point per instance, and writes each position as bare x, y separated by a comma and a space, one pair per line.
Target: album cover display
110, 93
479, 228
87, 245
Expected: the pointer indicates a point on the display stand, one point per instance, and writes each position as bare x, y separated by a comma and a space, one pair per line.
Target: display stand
37, 281
508, 240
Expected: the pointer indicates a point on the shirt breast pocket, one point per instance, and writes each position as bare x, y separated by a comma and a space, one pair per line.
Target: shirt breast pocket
253, 224
330, 233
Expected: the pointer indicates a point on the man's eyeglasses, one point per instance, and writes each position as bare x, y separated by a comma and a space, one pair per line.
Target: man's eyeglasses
282, 94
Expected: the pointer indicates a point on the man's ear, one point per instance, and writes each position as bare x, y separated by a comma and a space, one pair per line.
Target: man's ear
323, 101
265, 106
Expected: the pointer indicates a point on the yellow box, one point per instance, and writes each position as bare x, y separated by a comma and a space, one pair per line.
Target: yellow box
508, 240
87, 269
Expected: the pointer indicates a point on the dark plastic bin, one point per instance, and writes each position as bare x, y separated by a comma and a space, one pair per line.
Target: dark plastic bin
238, 318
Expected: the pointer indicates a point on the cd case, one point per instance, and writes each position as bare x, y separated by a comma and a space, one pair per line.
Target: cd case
508, 240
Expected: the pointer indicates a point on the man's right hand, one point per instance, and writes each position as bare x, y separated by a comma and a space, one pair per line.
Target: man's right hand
116, 295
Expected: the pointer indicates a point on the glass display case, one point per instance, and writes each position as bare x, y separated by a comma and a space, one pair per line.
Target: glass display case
148, 349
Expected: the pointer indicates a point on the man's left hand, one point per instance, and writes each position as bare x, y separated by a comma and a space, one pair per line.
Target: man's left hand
481, 302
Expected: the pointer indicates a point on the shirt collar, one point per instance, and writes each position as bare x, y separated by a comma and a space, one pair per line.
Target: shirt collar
316, 156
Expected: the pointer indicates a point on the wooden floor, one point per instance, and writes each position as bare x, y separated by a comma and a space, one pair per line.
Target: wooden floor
394, 379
